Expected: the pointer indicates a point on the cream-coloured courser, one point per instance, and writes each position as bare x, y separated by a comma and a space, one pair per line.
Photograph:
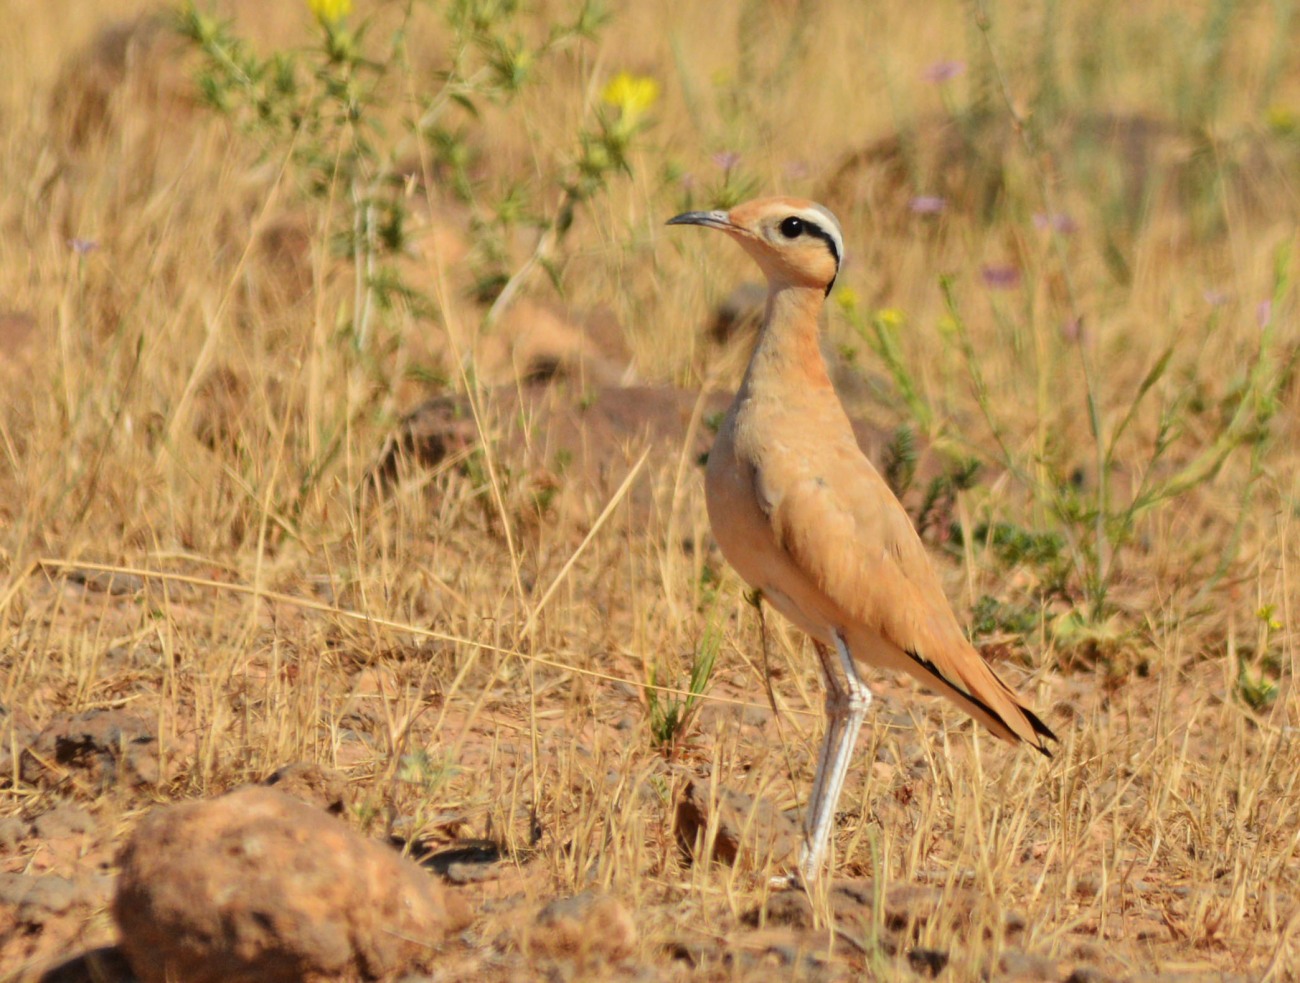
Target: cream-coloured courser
803, 516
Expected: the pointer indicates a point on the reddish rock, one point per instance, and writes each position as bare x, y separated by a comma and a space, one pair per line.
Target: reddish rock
63, 820
99, 747
257, 886
33, 899
591, 926
576, 443
312, 783
754, 829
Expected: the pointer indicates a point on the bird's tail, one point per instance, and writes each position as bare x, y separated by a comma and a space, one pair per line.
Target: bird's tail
986, 698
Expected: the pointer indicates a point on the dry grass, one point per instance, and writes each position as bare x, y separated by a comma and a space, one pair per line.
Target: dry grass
177, 401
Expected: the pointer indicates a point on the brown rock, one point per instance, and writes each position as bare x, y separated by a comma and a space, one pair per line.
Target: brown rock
63, 820
108, 581
1015, 966
438, 429
97, 748
32, 900
580, 438
853, 900
312, 783
12, 832
754, 829
128, 62
904, 908
587, 926
572, 445
257, 886
537, 342
739, 313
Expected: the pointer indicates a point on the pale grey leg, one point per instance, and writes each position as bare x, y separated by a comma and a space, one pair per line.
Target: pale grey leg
847, 700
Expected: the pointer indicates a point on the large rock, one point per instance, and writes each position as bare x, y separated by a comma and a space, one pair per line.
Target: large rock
573, 446
257, 886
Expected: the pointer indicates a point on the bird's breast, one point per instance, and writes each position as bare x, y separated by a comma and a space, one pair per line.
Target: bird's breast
745, 535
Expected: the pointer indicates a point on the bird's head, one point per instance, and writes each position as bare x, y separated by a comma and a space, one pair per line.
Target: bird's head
796, 242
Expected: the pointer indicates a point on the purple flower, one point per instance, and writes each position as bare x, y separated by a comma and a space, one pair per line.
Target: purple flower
1057, 222
1215, 297
1000, 277
796, 170
726, 159
943, 71
1072, 329
927, 205
82, 246
1263, 313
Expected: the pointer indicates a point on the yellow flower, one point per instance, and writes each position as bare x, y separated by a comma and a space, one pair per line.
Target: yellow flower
330, 12
847, 298
1265, 614
1281, 119
632, 95
890, 317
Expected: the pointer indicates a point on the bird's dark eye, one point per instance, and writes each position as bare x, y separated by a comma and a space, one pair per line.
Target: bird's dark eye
792, 227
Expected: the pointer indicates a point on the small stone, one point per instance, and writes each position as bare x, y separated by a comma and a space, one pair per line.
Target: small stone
749, 828
1087, 886
740, 312
1017, 965
63, 820
852, 904
108, 581
37, 898
587, 926
12, 832
788, 908
929, 962
257, 886
312, 783
471, 873
100, 747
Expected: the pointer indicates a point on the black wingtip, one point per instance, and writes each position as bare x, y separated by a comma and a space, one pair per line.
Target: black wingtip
1042, 730
937, 682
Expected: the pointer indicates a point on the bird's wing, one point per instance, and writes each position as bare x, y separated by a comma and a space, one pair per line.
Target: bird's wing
845, 530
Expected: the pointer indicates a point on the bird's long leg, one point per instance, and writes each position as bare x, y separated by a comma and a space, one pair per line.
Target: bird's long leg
834, 697
847, 700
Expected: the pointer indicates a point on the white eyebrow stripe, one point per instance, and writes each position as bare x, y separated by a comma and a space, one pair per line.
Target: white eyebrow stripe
827, 225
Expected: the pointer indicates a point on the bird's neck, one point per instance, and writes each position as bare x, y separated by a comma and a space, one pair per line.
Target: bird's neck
787, 346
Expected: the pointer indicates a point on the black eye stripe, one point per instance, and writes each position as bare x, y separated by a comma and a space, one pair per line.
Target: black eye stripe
826, 237
794, 226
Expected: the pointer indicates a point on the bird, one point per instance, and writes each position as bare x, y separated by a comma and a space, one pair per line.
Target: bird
807, 521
